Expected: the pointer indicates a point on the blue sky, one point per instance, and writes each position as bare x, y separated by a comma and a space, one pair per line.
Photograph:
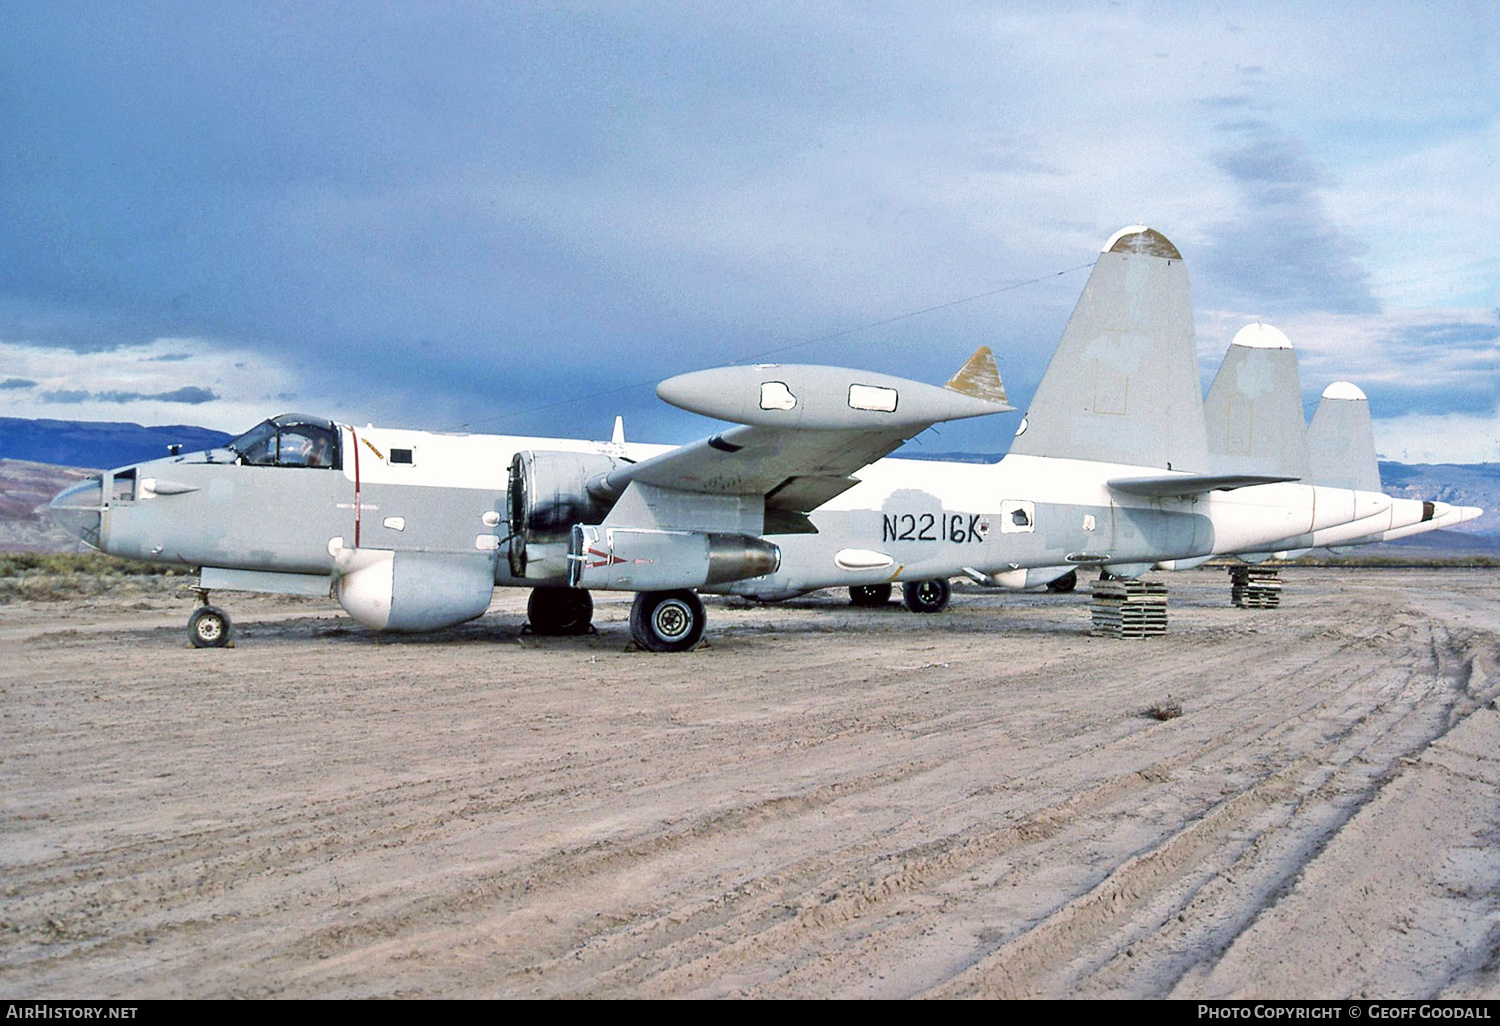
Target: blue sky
517, 217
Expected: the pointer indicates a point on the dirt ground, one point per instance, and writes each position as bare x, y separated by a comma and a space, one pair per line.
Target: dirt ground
820, 801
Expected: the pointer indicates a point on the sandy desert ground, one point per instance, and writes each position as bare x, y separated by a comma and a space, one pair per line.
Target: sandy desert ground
821, 801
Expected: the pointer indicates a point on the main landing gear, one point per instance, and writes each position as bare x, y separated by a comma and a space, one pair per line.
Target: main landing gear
209, 626
666, 621
870, 596
660, 621
926, 596
560, 612
917, 596
1066, 583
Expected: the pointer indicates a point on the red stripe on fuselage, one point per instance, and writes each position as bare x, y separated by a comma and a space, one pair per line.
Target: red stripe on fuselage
355, 447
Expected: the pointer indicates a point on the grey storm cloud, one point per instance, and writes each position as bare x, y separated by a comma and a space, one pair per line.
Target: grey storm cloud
9, 383
1459, 334
190, 394
1280, 251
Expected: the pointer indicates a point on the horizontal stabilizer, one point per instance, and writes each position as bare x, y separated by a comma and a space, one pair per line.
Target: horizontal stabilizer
1189, 484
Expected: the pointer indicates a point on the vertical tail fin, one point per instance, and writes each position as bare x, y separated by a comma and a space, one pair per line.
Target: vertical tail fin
1122, 386
1341, 440
1254, 408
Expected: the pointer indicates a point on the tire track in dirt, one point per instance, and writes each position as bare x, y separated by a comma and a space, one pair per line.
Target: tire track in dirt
725, 823
856, 903
855, 899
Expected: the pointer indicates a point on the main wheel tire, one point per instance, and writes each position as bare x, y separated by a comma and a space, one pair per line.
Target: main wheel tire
559, 612
926, 596
667, 621
1067, 582
870, 596
209, 627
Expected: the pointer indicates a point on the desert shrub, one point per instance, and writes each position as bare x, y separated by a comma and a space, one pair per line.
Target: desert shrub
44, 576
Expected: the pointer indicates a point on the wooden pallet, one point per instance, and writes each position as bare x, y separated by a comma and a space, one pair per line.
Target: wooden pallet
1255, 587
1129, 609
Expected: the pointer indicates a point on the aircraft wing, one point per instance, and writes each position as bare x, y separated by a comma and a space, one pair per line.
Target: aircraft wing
804, 431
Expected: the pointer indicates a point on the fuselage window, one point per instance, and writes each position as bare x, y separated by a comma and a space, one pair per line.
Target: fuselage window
122, 488
774, 395
1017, 515
875, 398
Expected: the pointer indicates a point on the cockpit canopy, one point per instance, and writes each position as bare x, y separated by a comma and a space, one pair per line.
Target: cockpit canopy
290, 440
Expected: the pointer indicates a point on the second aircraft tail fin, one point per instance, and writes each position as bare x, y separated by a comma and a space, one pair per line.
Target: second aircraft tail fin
1254, 408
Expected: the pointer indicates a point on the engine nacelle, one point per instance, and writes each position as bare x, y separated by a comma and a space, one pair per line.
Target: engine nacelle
413, 591
549, 493
639, 559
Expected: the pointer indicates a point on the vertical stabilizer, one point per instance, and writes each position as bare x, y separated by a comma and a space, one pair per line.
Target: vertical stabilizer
1341, 440
1122, 386
1254, 408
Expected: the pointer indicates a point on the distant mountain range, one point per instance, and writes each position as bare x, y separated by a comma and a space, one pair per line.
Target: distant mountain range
53, 449
98, 444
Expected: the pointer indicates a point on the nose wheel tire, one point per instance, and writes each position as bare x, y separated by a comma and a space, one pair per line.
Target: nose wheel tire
209, 627
560, 611
870, 596
926, 596
666, 621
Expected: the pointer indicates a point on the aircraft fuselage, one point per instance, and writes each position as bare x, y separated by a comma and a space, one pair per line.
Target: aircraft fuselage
422, 493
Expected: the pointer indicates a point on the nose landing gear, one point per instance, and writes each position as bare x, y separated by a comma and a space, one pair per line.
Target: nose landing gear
209, 626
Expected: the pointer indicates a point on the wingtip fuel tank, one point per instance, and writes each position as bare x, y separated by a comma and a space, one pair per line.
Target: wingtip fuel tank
810, 397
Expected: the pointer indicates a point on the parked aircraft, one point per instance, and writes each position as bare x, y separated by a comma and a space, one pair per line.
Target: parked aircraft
412, 530
1254, 417
1341, 447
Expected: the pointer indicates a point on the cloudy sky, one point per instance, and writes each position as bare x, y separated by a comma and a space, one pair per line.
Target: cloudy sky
518, 217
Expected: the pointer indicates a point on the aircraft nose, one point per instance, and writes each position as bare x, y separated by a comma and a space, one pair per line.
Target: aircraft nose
79, 509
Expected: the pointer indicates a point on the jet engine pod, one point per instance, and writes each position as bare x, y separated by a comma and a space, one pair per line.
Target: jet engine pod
637, 559
414, 591
549, 493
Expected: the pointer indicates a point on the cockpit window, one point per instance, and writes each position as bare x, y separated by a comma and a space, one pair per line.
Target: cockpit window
291, 440
258, 445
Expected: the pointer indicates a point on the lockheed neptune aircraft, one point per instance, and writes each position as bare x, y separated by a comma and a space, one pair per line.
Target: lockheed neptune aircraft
411, 530
1254, 417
